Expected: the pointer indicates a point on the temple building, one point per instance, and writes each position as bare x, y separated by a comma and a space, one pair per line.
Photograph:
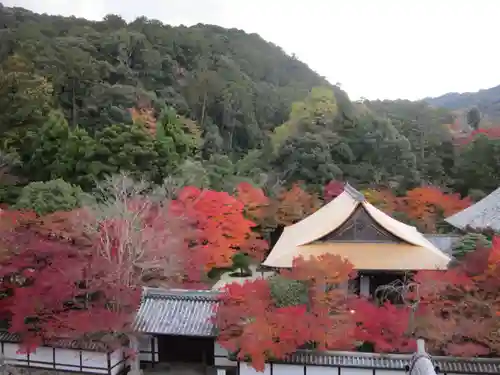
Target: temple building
484, 214
378, 246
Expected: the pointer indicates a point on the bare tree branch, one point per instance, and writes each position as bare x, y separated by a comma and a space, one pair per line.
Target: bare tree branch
134, 231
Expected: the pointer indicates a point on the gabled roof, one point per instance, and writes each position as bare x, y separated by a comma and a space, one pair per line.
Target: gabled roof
481, 215
177, 312
413, 253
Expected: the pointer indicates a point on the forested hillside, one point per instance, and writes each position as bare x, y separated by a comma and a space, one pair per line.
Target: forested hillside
205, 106
487, 101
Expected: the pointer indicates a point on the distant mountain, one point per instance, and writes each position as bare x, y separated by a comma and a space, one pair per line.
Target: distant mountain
487, 101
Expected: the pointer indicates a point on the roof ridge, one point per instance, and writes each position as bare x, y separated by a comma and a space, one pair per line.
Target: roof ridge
201, 294
354, 193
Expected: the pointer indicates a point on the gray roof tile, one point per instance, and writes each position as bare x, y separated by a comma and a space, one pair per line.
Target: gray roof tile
393, 361
481, 215
61, 343
443, 242
177, 312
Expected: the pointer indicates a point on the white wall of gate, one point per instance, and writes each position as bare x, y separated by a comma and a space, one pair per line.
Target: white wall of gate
281, 369
65, 359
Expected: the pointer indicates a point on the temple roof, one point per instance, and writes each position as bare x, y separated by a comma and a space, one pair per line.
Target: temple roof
404, 247
392, 362
481, 215
176, 312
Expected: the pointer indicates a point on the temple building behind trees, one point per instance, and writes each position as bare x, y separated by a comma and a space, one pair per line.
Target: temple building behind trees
381, 248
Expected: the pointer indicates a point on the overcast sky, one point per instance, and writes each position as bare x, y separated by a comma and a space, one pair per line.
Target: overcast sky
383, 49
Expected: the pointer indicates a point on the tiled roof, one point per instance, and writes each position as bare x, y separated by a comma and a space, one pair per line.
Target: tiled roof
393, 362
481, 215
443, 242
176, 312
63, 344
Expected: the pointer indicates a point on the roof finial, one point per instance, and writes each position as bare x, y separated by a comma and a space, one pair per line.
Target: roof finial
353, 192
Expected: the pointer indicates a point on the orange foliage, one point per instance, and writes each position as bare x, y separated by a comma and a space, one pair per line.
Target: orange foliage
254, 200
293, 205
424, 206
428, 205
221, 227
145, 116
252, 326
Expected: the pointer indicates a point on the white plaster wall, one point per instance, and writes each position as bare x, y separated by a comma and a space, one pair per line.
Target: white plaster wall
220, 356
288, 370
117, 361
245, 369
282, 369
355, 371
65, 359
389, 372
320, 370
145, 346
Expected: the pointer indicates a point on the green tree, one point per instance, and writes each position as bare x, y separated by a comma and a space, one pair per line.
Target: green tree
25, 97
474, 118
477, 165
50, 196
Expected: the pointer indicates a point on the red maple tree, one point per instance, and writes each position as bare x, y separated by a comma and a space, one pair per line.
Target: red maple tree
458, 308
221, 228
254, 201
292, 205
385, 327
255, 208
57, 290
332, 190
254, 327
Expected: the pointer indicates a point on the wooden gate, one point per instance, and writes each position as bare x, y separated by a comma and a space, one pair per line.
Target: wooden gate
186, 349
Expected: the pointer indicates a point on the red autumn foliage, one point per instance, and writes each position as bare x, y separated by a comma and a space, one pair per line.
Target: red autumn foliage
493, 133
457, 312
56, 290
425, 206
221, 227
332, 190
251, 325
254, 201
256, 206
97, 263
293, 205
10, 219
386, 327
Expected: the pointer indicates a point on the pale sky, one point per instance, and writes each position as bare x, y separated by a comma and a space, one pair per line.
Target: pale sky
385, 49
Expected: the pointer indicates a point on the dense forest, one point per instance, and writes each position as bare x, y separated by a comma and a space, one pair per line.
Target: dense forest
207, 106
